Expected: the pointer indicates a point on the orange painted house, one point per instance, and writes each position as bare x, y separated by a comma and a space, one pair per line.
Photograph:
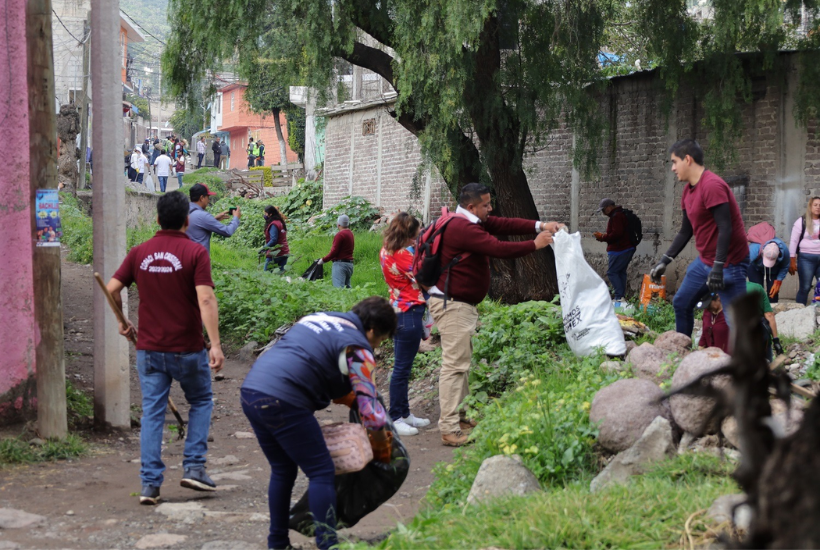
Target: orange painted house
231, 115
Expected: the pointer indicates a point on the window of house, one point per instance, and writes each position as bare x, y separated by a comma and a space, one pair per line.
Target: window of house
232, 101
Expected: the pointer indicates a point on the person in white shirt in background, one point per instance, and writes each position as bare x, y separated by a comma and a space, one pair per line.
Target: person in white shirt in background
163, 165
135, 163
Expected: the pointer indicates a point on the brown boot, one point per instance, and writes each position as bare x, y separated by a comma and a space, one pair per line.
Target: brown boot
467, 425
454, 439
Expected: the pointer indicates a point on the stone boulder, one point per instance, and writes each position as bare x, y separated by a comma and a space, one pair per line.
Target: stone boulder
797, 323
18, 519
630, 345
609, 367
674, 342
501, 476
654, 445
691, 412
723, 507
649, 362
782, 425
782, 306
625, 409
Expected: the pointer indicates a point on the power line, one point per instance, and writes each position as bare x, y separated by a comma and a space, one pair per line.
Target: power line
80, 42
143, 28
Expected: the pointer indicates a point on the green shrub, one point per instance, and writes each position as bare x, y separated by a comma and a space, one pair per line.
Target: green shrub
362, 214
19, 451
77, 229
267, 175
304, 200
251, 231
213, 182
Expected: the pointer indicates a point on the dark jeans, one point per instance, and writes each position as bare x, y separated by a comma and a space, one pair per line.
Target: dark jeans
199, 160
756, 275
260, 161
808, 269
618, 262
291, 439
409, 330
279, 261
139, 177
163, 182
694, 288
216, 159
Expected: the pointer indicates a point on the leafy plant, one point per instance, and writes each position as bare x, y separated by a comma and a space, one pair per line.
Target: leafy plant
304, 199
77, 229
267, 175
362, 214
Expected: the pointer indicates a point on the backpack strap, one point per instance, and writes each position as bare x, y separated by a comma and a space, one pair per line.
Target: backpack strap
802, 233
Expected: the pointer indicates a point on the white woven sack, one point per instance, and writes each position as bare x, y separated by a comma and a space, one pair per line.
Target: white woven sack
589, 318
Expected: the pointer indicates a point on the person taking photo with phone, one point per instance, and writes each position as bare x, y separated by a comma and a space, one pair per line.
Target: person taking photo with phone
202, 224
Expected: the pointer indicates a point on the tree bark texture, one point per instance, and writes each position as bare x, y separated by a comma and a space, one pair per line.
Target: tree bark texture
48, 304
283, 150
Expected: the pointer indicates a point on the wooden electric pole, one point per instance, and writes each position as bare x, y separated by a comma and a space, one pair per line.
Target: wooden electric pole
48, 304
84, 114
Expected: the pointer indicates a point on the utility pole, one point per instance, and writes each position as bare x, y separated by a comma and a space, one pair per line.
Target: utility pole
48, 304
84, 114
111, 376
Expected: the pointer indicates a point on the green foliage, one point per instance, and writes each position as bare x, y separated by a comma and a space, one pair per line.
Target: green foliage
19, 451
362, 214
78, 403
251, 231
648, 512
659, 316
77, 229
813, 372
267, 175
296, 131
188, 121
304, 200
510, 340
214, 183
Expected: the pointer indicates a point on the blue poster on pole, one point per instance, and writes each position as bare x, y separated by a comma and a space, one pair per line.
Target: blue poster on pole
47, 212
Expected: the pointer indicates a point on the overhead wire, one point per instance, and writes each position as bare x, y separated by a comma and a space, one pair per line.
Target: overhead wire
143, 28
80, 42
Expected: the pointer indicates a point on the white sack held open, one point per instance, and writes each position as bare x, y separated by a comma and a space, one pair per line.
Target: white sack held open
589, 318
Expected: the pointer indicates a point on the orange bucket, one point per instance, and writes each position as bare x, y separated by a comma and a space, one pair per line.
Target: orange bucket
651, 290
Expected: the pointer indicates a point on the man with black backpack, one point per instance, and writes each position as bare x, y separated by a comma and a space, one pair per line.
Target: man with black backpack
623, 233
452, 259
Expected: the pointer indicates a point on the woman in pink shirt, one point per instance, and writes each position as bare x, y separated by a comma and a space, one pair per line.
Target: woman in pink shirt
408, 300
804, 249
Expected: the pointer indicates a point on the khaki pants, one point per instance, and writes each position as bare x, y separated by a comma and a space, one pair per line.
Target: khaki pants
456, 324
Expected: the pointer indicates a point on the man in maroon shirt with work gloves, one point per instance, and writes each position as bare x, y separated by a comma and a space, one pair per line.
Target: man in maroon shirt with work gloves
470, 235
341, 254
619, 247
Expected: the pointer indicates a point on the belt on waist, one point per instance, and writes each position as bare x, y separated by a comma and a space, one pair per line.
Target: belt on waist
451, 299
344, 261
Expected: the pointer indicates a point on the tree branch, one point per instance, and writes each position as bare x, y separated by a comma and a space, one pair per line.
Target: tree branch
372, 20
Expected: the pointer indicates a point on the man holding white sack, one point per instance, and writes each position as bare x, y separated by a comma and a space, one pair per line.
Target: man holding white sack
470, 235
710, 214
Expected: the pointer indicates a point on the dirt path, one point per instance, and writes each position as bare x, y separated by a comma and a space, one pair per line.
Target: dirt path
91, 502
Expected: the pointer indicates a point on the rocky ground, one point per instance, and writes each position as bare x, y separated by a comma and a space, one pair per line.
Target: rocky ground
92, 502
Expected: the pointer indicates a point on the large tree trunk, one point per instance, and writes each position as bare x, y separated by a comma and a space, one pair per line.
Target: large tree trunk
283, 151
499, 130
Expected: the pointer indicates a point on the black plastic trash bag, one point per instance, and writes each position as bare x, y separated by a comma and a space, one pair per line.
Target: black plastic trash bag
359, 493
315, 272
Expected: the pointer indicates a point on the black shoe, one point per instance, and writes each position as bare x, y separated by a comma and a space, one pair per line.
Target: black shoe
197, 479
149, 495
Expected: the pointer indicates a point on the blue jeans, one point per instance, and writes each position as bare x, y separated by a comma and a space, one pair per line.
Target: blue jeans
179, 179
139, 177
163, 181
409, 331
199, 160
341, 274
279, 261
157, 370
618, 262
694, 288
291, 438
808, 269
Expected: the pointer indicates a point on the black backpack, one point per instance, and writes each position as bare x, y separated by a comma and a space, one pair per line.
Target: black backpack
427, 268
633, 227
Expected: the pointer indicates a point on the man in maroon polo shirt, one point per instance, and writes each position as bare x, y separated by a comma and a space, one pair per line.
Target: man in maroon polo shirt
341, 253
619, 247
173, 276
471, 231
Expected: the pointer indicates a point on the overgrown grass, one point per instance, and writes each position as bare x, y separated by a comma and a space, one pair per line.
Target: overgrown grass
77, 230
19, 451
649, 512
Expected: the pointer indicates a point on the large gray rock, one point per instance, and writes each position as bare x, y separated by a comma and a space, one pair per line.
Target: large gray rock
674, 342
246, 353
691, 412
654, 445
18, 519
625, 408
723, 506
649, 362
781, 424
783, 305
797, 323
500, 476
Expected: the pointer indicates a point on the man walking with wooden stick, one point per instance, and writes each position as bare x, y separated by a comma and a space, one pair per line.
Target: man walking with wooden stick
173, 275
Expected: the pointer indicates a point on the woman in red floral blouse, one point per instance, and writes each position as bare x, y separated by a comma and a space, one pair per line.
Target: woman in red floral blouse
408, 300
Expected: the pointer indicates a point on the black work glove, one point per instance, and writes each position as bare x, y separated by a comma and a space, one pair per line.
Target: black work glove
777, 347
659, 269
715, 281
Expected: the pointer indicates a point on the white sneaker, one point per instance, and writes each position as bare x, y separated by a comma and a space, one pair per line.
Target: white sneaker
402, 428
416, 422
